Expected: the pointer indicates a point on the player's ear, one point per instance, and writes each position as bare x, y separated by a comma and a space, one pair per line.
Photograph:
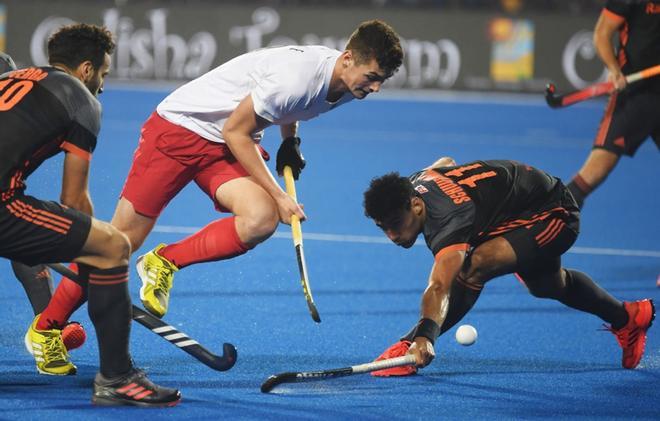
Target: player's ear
347, 58
86, 70
417, 205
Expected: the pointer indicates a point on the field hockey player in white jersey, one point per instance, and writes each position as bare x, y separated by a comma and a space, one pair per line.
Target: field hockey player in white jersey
209, 131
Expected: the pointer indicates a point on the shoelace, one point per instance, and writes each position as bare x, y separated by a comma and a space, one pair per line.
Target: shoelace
162, 279
54, 349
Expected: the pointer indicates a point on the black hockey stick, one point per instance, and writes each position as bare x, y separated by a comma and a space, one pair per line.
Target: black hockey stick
305, 376
171, 334
556, 100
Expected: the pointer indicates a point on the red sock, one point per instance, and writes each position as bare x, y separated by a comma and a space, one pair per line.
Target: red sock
216, 241
67, 298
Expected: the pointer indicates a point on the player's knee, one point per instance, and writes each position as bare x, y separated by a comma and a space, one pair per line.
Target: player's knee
261, 224
119, 248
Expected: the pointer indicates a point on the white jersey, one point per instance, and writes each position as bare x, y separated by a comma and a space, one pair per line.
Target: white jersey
287, 84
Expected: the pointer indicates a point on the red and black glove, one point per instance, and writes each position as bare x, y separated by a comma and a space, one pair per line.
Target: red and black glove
399, 349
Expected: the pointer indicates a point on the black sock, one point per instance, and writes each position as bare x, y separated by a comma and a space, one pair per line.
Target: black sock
583, 294
37, 283
461, 300
110, 310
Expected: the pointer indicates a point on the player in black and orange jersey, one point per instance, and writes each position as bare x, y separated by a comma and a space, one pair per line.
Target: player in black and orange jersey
43, 111
482, 220
632, 113
36, 279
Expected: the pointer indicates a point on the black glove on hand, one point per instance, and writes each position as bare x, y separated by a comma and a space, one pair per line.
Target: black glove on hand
289, 154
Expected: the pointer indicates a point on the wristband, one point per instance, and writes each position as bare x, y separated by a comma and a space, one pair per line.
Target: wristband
428, 329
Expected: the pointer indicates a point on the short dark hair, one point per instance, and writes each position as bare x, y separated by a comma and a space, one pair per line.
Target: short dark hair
388, 197
375, 39
77, 43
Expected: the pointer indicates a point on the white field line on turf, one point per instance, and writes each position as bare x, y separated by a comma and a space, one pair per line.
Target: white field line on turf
174, 229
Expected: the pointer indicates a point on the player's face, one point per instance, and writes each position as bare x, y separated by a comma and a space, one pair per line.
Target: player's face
95, 84
403, 229
363, 79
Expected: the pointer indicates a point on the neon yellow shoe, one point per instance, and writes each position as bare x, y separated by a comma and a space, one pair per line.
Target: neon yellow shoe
157, 275
49, 351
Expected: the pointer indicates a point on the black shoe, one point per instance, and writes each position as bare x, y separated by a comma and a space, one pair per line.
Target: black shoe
132, 388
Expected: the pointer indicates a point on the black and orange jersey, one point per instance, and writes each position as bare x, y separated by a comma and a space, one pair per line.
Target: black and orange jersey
43, 110
639, 36
467, 204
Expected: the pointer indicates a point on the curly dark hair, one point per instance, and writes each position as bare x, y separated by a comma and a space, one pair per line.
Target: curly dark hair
375, 39
77, 43
388, 197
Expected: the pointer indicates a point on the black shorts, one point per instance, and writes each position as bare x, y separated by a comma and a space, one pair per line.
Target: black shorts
630, 118
35, 231
555, 227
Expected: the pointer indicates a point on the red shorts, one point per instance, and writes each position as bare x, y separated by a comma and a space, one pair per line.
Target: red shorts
168, 157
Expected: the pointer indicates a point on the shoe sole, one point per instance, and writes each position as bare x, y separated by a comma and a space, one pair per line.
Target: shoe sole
121, 402
70, 373
28, 343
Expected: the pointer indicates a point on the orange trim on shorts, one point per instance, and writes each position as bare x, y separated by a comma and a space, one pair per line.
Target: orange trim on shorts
454, 247
551, 232
517, 223
37, 219
607, 120
70, 147
65, 221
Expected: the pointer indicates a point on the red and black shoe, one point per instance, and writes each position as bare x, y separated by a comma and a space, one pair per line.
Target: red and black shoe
132, 388
632, 337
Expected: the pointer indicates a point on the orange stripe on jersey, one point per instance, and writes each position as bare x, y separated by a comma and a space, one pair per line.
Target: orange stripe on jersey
32, 220
612, 16
623, 38
454, 247
70, 147
606, 121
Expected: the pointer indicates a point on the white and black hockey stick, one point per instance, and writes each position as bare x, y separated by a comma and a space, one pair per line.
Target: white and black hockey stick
171, 334
305, 376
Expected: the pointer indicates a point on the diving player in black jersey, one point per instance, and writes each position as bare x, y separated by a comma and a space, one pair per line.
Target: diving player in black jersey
482, 220
43, 111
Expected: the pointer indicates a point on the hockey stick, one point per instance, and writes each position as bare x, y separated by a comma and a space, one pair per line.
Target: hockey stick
555, 100
297, 242
171, 334
304, 376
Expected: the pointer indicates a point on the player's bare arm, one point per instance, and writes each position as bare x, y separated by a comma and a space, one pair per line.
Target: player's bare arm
237, 134
605, 29
289, 130
435, 301
75, 191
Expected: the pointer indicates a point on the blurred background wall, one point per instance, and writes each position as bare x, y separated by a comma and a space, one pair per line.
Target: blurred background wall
479, 45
